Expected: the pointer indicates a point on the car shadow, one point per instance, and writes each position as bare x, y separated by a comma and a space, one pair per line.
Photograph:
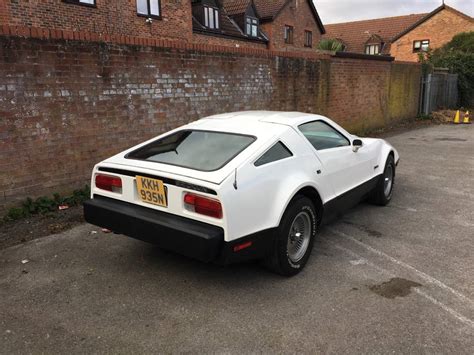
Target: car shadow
155, 260
148, 258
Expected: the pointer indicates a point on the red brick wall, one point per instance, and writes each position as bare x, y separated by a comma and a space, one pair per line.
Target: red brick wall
363, 95
221, 41
119, 17
65, 105
439, 30
297, 14
4, 12
108, 17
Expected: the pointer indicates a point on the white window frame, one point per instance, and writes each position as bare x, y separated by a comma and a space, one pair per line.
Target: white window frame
211, 17
251, 26
421, 45
372, 49
289, 39
155, 14
91, 3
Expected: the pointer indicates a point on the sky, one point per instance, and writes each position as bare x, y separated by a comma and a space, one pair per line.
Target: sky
334, 11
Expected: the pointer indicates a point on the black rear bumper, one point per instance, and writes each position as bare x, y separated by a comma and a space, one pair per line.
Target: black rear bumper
188, 237
185, 236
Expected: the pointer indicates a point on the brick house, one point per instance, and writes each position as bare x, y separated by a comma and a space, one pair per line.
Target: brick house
403, 37
431, 32
273, 24
288, 24
169, 19
214, 23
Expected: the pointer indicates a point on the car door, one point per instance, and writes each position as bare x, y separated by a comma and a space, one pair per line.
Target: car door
345, 168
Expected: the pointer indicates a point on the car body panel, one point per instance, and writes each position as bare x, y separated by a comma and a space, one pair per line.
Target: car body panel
263, 192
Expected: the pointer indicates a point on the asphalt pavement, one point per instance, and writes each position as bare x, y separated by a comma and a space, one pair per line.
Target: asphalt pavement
396, 279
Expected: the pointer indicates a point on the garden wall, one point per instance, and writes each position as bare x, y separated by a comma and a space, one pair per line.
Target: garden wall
66, 104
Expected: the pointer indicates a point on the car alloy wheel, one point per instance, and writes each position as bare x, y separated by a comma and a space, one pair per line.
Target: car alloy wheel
388, 180
294, 238
299, 237
382, 193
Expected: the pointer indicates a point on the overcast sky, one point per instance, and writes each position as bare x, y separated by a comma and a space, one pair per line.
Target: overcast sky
334, 11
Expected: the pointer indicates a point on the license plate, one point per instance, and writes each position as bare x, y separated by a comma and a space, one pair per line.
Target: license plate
152, 191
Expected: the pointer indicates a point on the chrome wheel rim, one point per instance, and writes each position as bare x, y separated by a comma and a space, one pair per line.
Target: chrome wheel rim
388, 181
299, 237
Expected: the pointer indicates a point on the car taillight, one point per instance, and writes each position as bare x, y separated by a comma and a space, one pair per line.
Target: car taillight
203, 205
108, 183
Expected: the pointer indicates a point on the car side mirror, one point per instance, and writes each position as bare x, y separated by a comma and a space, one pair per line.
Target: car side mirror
356, 145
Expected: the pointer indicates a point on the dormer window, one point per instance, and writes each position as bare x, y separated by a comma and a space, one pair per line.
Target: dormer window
372, 49
251, 26
211, 17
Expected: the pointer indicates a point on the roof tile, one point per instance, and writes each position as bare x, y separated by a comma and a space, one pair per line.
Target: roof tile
266, 9
235, 7
269, 8
356, 34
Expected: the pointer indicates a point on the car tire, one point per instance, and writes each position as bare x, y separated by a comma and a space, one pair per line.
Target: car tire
294, 238
382, 194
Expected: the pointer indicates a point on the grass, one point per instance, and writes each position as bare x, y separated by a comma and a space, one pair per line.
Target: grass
45, 205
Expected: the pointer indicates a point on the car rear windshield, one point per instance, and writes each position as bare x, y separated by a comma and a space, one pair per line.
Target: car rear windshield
198, 150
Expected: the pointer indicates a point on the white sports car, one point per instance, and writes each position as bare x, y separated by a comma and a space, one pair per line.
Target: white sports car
240, 186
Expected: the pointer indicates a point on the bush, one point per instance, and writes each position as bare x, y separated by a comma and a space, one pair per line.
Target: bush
458, 56
44, 205
331, 45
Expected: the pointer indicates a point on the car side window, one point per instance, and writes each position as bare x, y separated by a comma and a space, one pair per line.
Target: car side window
322, 136
278, 152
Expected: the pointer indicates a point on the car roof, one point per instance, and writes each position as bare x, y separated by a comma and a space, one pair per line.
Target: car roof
253, 122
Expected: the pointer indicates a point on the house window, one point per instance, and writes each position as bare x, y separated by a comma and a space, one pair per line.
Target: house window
421, 46
149, 8
251, 26
289, 34
81, 2
211, 17
372, 49
308, 38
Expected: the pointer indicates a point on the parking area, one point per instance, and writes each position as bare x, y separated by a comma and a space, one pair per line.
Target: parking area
395, 279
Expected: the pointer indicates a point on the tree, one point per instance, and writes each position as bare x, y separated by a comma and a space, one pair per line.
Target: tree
329, 44
458, 57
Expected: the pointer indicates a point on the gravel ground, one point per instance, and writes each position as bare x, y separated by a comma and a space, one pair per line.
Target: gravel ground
397, 279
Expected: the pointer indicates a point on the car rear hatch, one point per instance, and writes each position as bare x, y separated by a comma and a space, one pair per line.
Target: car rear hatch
185, 191
254, 135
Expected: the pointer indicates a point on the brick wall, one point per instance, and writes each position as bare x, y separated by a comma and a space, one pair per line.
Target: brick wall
65, 105
363, 95
118, 17
226, 41
4, 12
297, 14
439, 30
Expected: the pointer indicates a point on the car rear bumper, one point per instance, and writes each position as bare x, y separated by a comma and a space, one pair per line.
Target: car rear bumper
185, 236
188, 237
